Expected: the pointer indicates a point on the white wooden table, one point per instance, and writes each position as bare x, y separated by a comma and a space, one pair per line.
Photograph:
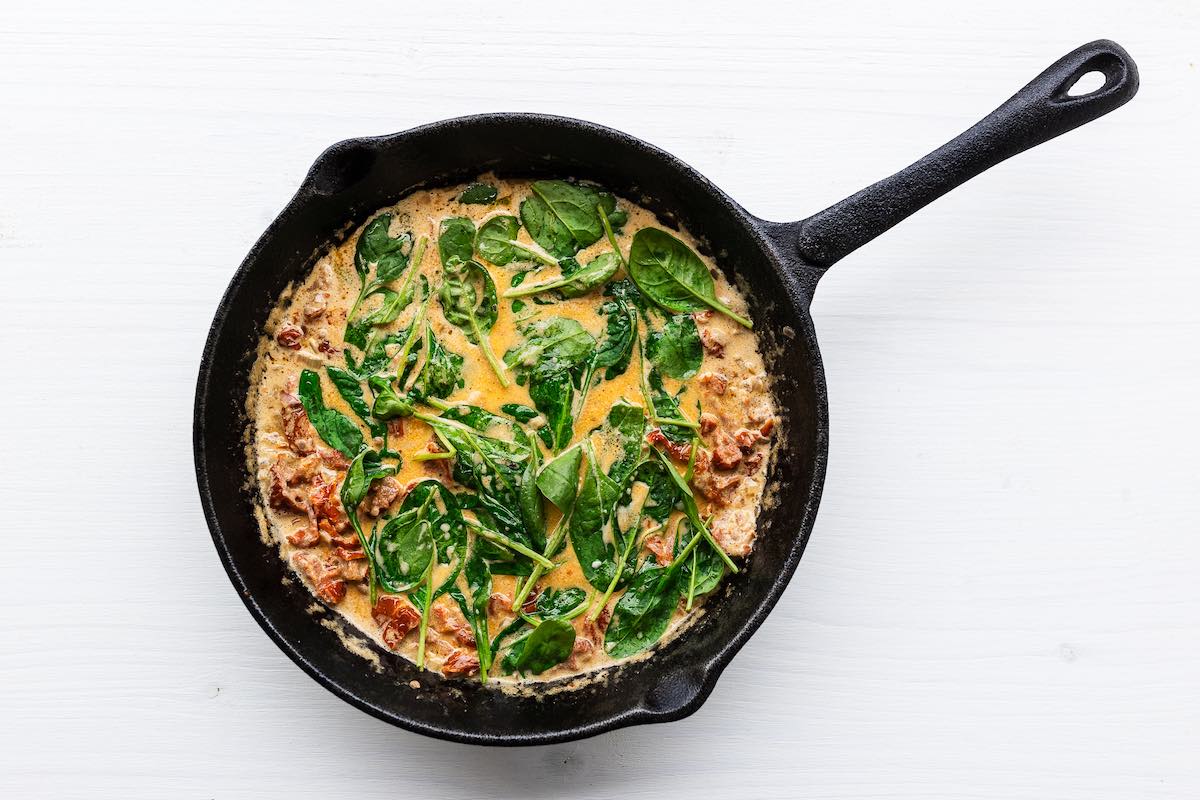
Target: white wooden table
1001, 597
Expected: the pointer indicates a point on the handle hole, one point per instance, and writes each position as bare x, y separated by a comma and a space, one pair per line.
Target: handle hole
1087, 83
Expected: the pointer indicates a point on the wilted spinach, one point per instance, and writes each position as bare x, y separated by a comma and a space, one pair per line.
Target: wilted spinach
626, 422
524, 414
497, 244
620, 331
364, 470
349, 387
404, 550
389, 257
335, 428
643, 613
552, 359
479, 194
689, 508
701, 572
492, 466
549, 645
578, 281
554, 339
671, 275
564, 217
456, 240
442, 371
468, 297
559, 479
593, 512
388, 404
562, 603
667, 414
662, 493
676, 349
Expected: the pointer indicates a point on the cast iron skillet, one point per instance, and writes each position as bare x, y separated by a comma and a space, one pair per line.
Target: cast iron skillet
779, 263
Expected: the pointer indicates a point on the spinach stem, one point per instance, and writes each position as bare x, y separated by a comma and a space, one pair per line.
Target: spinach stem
579, 609
691, 597
687, 551
414, 332
499, 538
425, 616
612, 239
693, 513
681, 422
552, 544
724, 309
525, 290
537, 255
485, 344
612, 585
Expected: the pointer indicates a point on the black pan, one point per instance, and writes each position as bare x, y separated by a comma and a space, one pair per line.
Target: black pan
779, 262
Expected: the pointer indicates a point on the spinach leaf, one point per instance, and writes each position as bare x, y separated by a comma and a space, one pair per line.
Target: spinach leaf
559, 479
662, 493
620, 332
627, 422
594, 507
689, 508
530, 502
702, 572
564, 217
350, 389
625, 290
479, 584
643, 613
676, 349
492, 466
666, 407
550, 644
442, 372
390, 257
546, 229
561, 342
334, 427
574, 207
478, 194
554, 354
388, 404
392, 305
456, 240
552, 391
431, 502
468, 297
404, 550
672, 276
576, 282
560, 604
524, 414
519, 412
377, 248
364, 470
497, 244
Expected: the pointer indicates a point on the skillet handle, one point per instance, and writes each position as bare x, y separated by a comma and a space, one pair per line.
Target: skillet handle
1036, 114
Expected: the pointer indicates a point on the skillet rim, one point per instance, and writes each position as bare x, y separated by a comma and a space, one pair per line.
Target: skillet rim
775, 240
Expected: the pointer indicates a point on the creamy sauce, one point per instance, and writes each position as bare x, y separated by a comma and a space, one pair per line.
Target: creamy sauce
731, 388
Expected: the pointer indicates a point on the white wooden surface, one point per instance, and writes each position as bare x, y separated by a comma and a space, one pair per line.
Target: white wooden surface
1000, 599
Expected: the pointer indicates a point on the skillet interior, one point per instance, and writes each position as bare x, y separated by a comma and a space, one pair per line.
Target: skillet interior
353, 179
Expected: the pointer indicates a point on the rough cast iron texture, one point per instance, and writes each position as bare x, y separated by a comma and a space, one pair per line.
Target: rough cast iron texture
779, 264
